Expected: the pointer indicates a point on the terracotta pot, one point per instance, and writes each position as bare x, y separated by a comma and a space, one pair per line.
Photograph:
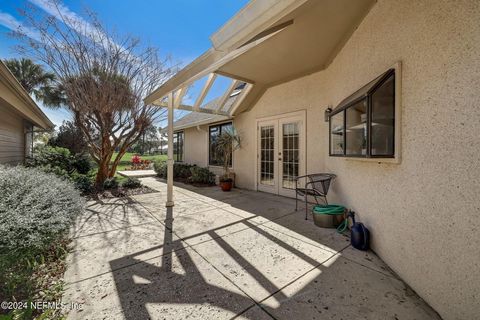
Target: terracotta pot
226, 186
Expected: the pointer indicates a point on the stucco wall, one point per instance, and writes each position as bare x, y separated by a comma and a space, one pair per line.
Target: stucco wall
423, 213
196, 146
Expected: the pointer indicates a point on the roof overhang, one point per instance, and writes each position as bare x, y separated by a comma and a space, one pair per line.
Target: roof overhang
12, 93
269, 42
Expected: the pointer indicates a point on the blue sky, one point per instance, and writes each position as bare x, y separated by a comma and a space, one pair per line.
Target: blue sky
179, 28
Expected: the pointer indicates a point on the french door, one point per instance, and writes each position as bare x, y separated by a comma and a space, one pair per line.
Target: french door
280, 153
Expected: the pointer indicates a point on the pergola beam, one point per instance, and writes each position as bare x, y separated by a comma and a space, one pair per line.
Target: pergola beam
240, 98
179, 97
211, 78
227, 94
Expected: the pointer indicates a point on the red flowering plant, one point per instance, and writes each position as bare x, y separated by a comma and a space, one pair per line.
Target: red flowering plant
139, 164
136, 162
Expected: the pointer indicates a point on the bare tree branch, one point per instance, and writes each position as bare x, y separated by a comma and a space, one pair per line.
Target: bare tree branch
104, 78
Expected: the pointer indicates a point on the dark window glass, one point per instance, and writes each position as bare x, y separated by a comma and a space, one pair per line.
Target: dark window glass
383, 119
363, 125
336, 136
29, 137
215, 158
356, 129
178, 146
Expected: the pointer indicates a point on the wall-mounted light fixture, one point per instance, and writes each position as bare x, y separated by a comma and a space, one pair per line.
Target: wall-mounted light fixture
328, 111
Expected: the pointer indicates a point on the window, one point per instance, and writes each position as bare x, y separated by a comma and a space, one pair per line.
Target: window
29, 138
363, 125
215, 158
178, 146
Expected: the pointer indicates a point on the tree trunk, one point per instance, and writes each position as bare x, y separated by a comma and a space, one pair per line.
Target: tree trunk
102, 174
115, 162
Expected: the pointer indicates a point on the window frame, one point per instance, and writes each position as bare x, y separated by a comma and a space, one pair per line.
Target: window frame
175, 135
219, 125
391, 72
29, 139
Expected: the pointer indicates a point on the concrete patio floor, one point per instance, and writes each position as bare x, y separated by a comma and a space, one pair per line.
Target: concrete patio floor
215, 255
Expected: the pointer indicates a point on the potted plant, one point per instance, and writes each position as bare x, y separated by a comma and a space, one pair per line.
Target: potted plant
227, 143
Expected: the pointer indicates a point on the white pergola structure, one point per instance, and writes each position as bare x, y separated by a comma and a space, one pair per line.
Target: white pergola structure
226, 104
266, 43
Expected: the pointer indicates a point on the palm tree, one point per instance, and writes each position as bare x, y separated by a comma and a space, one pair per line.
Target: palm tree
227, 143
36, 81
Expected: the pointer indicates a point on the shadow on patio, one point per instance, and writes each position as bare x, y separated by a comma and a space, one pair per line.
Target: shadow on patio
243, 254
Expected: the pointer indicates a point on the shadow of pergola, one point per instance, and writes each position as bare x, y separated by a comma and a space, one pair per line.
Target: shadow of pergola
180, 282
163, 283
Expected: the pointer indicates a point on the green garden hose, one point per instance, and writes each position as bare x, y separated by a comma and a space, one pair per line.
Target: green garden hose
343, 226
332, 209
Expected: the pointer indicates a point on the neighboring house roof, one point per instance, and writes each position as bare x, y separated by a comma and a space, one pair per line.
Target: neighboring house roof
12, 92
194, 119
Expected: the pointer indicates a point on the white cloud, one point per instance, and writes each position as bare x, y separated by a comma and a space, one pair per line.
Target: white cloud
13, 24
72, 19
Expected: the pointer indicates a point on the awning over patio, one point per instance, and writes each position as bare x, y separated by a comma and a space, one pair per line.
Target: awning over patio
268, 42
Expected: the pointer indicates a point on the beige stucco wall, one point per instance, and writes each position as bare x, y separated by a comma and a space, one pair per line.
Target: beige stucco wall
423, 213
12, 136
196, 146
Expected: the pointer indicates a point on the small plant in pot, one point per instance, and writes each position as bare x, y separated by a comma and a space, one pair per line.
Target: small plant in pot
227, 142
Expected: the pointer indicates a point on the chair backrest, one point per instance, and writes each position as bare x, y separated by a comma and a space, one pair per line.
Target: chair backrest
321, 181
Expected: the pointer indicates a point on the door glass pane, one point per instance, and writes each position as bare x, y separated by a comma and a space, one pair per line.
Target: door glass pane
290, 154
383, 118
336, 134
356, 132
267, 151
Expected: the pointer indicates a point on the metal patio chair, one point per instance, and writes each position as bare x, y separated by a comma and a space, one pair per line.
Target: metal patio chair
316, 185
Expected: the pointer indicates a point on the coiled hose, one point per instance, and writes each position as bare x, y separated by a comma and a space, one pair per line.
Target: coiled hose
333, 209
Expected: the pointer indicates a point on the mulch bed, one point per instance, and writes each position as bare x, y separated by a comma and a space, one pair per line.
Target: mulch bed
185, 181
121, 192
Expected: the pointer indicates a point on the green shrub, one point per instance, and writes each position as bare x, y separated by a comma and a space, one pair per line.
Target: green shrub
82, 163
35, 208
160, 167
182, 170
53, 159
83, 182
36, 211
201, 175
192, 173
61, 162
110, 183
131, 183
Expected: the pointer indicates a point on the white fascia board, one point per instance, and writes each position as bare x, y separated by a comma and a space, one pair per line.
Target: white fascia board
254, 18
